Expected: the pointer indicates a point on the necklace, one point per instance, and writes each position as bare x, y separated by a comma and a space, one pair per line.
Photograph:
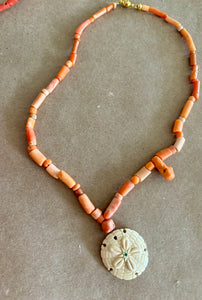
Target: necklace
7, 4
123, 251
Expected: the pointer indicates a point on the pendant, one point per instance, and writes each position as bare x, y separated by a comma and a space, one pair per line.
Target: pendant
124, 253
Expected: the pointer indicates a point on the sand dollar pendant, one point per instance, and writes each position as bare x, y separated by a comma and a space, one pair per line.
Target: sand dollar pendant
124, 253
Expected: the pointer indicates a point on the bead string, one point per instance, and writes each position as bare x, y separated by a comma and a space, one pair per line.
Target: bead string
7, 4
104, 218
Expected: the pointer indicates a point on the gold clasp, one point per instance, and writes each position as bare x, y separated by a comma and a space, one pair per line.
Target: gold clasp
126, 3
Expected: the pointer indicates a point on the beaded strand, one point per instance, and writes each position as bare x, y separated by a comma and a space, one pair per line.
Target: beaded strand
157, 162
7, 4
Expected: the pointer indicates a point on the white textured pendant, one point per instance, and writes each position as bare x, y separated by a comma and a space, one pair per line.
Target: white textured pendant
124, 253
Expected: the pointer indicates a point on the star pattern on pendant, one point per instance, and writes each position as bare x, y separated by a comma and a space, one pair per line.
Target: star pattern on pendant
124, 254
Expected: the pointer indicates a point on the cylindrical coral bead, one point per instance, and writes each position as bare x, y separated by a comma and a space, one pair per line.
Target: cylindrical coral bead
73, 58
126, 188
187, 109
192, 59
164, 153
196, 89
52, 85
39, 100
31, 137
96, 213
100, 13
86, 204
179, 143
75, 46
143, 173
112, 208
157, 12
66, 178
62, 73
37, 156
178, 126
30, 122
33, 110
150, 166
108, 225
135, 179
172, 22
145, 7
188, 39
53, 171
110, 7
82, 27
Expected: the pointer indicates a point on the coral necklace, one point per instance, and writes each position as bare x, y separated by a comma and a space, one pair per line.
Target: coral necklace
124, 252
7, 4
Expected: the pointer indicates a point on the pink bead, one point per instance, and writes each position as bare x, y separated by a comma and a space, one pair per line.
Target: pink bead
108, 225
50, 88
112, 208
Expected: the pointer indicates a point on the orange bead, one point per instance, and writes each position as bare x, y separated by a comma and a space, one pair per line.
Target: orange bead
188, 39
39, 100
108, 225
172, 22
100, 13
62, 73
50, 88
100, 219
96, 213
37, 156
126, 188
166, 171
192, 59
157, 12
179, 134
135, 179
31, 148
73, 58
67, 179
53, 171
164, 153
186, 109
172, 148
82, 27
110, 7
112, 208
194, 74
145, 7
150, 166
31, 137
33, 110
30, 123
178, 126
196, 89
86, 204
75, 46
91, 19
47, 163
68, 64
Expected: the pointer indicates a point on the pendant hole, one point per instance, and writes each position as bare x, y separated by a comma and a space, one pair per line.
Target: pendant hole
115, 237
145, 249
104, 245
110, 269
136, 274
124, 231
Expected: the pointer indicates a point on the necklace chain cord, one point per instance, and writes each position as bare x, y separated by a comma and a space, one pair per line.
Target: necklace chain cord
156, 162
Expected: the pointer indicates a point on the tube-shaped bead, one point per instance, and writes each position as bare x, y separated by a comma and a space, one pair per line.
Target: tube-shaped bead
150, 166
37, 156
62, 73
126, 188
100, 13
192, 59
96, 213
143, 173
73, 58
179, 143
188, 39
178, 126
164, 153
66, 179
86, 204
196, 89
108, 225
53, 171
112, 208
187, 109
110, 7
82, 27
52, 85
157, 12
39, 100
75, 46
31, 137
172, 22
30, 122
145, 7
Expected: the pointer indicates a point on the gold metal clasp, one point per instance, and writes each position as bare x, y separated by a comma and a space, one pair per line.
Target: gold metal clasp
126, 3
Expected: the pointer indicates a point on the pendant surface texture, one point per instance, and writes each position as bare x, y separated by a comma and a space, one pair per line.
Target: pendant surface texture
124, 253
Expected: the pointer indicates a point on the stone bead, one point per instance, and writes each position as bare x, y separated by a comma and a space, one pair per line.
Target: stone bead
108, 225
53, 171
86, 204
126, 188
112, 208
143, 173
37, 157
66, 179
39, 100
96, 213
179, 143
